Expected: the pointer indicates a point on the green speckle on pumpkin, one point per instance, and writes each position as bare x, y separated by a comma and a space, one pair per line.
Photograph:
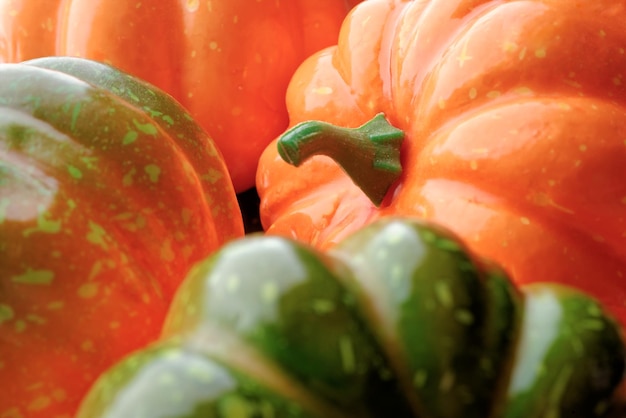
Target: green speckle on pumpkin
168, 119
90, 162
236, 406
20, 326
346, 351
35, 277
464, 316
419, 378
444, 294
88, 290
130, 137
45, 225
153, 171
212, 176
323, 306
97, 235
147, 128
75, 172
128, 177
269, 292
36, 319
56, 305
75, 113
6, 313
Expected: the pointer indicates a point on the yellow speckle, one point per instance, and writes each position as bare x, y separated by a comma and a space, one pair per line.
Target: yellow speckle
269, 292
87, 345
551, 183
346, 350
114, 325
323, 90
473, 93
617, 80
167, 253
509, 46
540, 53
441, 103
444, 294
474, 164
88, 290
572, 83
623, 201
193, 53
598, 238
36, 319
524, 220
420, 378
20, 326
59, 395
523, 90
447, 381
522, 54
582, 147
464, 57
232, 283
39, 403
193, 5
235, 19
236, 111
493, 94
213, 45
602, 33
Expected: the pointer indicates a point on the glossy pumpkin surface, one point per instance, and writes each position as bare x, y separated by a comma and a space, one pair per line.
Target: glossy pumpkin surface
398, 320
109, 192
227, 61
514, 119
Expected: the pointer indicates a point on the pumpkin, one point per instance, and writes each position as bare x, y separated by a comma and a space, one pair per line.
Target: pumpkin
511, 119
398, 320
109, 192
227, 61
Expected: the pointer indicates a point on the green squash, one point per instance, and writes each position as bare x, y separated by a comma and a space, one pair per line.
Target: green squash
398, 320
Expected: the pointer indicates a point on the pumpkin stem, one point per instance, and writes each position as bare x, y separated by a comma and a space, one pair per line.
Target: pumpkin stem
369, 154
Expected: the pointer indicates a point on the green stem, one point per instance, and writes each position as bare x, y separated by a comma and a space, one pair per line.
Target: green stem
369, 154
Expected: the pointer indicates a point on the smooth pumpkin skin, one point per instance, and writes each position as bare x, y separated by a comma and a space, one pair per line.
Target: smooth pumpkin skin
227, 61
109, 193
514, 114
398, 320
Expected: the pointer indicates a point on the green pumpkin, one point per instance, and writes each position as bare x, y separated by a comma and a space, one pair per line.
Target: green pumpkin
398, 320
109, 194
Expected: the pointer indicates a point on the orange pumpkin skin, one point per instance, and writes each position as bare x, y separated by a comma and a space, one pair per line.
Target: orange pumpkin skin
514, 116
109, 193
228, 61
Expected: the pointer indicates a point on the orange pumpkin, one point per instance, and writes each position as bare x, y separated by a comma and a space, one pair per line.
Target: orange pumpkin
227, 61
514, 122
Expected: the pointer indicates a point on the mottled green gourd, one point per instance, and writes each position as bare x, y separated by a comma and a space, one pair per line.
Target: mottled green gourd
398, 320
109, 194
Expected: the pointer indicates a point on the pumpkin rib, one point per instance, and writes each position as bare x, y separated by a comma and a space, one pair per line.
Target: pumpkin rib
91, 259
